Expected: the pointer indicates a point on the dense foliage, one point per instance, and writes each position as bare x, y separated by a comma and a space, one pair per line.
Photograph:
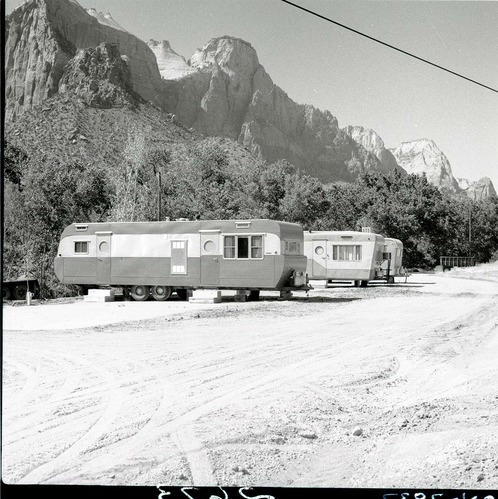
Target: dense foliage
205, 180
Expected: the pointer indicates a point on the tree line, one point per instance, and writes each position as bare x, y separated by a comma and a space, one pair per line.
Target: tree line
210, 179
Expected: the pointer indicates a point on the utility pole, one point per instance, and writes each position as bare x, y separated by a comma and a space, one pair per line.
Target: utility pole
159, 195
470, 230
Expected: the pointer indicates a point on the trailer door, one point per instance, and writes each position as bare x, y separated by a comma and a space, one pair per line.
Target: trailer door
319, 248
103, 257
210, 257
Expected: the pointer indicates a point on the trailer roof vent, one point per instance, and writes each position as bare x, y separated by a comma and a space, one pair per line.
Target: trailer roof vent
81, 227
346, 237
242, 225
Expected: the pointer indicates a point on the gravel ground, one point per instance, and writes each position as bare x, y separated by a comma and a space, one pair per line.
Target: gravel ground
383, 387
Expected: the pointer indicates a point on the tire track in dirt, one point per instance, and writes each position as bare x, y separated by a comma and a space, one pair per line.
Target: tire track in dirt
148, 436
62, 395
28, 388
200, 466
65, 459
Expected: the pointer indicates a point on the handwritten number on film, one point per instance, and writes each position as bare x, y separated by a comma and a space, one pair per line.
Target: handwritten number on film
164, 493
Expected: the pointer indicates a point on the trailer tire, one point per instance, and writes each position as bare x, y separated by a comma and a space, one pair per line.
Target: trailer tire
140, 292
390, 280
160, 293
285, 295
20, 291
182, 294
253, 295
356, 284
6, 292
363, 284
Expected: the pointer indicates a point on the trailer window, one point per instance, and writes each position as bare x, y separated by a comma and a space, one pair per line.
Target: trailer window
229, 247
292, 248
257, 247
346, 252
243, 247
81, 247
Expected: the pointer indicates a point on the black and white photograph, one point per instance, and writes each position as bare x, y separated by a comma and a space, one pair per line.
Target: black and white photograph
250, 245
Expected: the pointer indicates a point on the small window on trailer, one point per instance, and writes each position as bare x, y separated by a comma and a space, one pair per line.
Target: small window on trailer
81, 247
292, 247
257, 247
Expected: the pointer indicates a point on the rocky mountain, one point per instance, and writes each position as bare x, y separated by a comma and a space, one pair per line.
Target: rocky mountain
222, 91
372, 142
232, 95
42, 36
424, 156
171, 65
480, 189
100, 78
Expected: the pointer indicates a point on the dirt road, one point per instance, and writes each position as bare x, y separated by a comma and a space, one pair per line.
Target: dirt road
384, 386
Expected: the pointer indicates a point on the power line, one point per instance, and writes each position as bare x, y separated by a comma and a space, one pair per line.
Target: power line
388, 45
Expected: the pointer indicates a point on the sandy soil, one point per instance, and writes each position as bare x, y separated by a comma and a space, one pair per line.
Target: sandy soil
385, 386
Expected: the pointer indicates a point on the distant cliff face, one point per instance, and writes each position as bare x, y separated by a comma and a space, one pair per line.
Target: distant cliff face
171, 65
42, 37
372, 142
100, 77
481, 189
232, 95
424, 156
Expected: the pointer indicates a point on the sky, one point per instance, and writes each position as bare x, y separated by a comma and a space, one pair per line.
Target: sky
358, 80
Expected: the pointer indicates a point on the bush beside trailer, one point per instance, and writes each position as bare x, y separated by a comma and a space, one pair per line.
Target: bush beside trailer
344, 256
157, 258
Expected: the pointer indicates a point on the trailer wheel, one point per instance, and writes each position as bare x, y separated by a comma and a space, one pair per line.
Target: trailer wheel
6, 292
20, 291
160, 293
253, 295
182, 294
285, 295
390, 280
363, 284
356, 284
140, 292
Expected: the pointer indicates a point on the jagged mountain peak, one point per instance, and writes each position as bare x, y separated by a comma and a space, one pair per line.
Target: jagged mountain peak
366, 134
480, 189
423, 156
105, 19
171, 64
232, 55
373, 143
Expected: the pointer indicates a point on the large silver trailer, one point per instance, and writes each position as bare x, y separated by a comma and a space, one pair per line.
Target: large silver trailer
157, 258
344, 256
